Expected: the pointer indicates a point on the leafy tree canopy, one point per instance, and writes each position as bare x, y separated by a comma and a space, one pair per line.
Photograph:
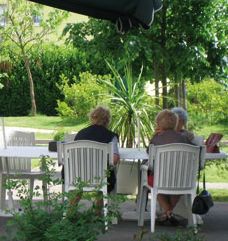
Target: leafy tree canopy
187, 39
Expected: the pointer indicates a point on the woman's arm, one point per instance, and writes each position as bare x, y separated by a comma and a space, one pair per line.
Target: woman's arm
116, 154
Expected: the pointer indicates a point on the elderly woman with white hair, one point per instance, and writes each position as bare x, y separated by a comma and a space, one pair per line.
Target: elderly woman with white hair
182, 122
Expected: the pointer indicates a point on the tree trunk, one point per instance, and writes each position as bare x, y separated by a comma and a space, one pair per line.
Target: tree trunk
164, 89
181, 94
131, 133
31, 85
163, 65
156, 83
157, 92
177, 94
183, 90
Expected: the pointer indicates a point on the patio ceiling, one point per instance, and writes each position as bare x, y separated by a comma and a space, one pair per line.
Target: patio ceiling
124, 13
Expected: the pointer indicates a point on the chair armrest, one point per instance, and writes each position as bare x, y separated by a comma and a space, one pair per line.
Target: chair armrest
144, 168
202, 156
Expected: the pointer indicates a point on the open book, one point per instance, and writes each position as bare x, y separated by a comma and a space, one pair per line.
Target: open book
212, 141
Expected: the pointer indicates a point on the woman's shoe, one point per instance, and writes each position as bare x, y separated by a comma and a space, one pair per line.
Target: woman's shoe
162, 220
173, 220
177, 220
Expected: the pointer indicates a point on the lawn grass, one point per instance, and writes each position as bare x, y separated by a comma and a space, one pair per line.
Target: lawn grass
219, 195
45, 122
216, 171
39, 121
219, 128
44, 136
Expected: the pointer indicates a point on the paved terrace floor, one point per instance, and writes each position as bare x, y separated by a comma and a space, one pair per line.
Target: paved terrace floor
215, 227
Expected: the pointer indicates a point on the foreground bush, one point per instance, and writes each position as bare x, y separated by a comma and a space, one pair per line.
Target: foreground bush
55, 220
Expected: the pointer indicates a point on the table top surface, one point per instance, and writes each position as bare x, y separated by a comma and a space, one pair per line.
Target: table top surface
140, 153
27, 151
125, 153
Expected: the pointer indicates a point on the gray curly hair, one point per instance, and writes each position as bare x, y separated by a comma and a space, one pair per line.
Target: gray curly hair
100, 116
182, 114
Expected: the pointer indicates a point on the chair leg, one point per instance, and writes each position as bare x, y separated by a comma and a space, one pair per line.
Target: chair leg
113, 202
63, 191
44, 187
31, 186
142, 205
193, 215
153, 210
188, 205
10, 200
105, 206
3, 192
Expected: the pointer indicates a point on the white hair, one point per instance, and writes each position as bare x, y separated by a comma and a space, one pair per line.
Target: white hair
182, 113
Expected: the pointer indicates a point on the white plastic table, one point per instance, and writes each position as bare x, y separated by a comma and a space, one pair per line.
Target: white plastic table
125, 153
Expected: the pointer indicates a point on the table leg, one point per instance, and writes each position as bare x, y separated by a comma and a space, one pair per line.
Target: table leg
139, 185
1, 190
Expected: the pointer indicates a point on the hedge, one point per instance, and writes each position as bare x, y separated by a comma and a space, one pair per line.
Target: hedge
47, 64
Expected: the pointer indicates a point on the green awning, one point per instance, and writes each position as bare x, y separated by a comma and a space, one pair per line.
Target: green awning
124, 13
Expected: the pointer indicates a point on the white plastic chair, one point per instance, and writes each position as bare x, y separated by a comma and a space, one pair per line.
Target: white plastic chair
175, 168
18, 168
88, 161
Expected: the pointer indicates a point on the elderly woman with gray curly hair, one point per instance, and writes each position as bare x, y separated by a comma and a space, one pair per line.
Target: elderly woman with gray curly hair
182, 122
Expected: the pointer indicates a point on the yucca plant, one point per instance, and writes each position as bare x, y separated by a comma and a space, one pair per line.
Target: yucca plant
131, 110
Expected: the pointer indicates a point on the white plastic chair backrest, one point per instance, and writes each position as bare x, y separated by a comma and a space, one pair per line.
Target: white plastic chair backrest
175, 166
199, 141
86, 160
18, 138
69, 137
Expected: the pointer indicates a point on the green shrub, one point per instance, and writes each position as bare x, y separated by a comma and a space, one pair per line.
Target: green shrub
207, 102
80, 97
59, 135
